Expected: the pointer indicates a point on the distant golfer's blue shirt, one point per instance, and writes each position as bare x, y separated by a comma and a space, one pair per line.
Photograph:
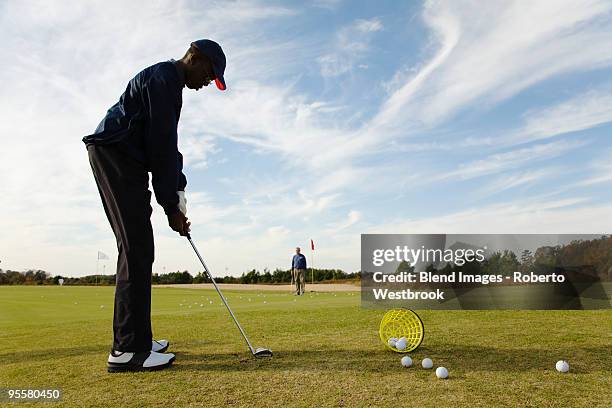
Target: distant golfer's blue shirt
299, 261
144, 124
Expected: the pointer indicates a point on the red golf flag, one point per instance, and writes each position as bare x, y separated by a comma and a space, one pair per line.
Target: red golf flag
312, 244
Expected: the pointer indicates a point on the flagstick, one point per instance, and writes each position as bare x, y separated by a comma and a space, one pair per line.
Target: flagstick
97, 263
312, 269
311, 264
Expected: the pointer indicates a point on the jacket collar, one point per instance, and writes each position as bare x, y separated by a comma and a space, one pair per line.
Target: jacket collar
181, 74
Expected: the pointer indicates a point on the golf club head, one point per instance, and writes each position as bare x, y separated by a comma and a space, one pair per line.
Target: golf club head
262, 352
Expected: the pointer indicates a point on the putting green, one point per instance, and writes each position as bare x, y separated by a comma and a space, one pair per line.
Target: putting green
327, 352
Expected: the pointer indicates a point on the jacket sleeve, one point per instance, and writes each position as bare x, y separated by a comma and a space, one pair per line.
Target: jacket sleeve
163, 157
182, 179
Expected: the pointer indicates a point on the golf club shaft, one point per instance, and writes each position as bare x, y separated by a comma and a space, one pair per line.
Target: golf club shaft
221, 295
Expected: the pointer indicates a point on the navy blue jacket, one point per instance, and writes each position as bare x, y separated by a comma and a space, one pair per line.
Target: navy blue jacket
144, 124
298, 261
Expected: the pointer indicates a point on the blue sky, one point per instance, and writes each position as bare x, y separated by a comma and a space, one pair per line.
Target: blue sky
340, 118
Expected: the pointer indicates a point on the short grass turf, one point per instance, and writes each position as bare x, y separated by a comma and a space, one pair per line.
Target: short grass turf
326, 353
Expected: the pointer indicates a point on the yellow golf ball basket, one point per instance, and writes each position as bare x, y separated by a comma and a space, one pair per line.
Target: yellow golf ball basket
398, 323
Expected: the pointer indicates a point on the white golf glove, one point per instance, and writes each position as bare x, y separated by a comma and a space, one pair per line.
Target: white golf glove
182, 205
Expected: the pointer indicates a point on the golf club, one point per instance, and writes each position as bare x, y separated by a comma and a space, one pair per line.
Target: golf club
259, 352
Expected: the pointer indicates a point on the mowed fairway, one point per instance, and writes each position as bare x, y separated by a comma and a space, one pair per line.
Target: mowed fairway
327, 352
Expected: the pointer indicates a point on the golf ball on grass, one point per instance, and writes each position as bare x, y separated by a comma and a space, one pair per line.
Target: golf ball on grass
562, 366
401, 344
391, 342
427, 363
406, 361
441, 372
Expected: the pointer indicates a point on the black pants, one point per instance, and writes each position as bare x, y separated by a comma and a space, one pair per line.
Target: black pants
123, 184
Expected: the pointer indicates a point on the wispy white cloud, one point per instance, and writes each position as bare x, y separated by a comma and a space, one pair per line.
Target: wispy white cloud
196, 150
446, 29
368, 26
517, 158
514, 180
351, 219
584, 111
581, 112
599, 171
556, 216
604, 176
489, 52
327, 4
350, 46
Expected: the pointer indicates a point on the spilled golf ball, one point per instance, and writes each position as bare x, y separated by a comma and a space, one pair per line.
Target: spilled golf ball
406, 361
391, 342
562, 366
441, 372
401, 344
427, 363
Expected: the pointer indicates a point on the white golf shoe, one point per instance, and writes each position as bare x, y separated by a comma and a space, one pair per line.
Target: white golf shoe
160, 346
145, 361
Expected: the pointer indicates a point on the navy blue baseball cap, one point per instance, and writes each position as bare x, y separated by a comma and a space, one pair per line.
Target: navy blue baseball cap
213, 51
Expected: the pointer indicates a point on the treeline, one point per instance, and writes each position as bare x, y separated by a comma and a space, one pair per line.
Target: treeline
284, 276
255, 276
589, 258
39, 277
29, 277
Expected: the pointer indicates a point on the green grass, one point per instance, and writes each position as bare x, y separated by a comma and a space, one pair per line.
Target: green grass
327, 353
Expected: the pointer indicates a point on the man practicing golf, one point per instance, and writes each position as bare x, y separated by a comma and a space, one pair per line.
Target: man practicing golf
138, 135
298, 270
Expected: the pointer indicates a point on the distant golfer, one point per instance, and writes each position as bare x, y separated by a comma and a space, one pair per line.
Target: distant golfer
138, 135
298, 270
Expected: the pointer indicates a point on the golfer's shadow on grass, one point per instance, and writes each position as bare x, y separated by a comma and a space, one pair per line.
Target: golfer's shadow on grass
465, 357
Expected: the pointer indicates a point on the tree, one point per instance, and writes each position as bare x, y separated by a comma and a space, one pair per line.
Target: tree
526, 261
201, 277
252, 276
404, 267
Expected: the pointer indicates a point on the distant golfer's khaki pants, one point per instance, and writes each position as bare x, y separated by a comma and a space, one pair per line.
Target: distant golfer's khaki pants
298, 278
